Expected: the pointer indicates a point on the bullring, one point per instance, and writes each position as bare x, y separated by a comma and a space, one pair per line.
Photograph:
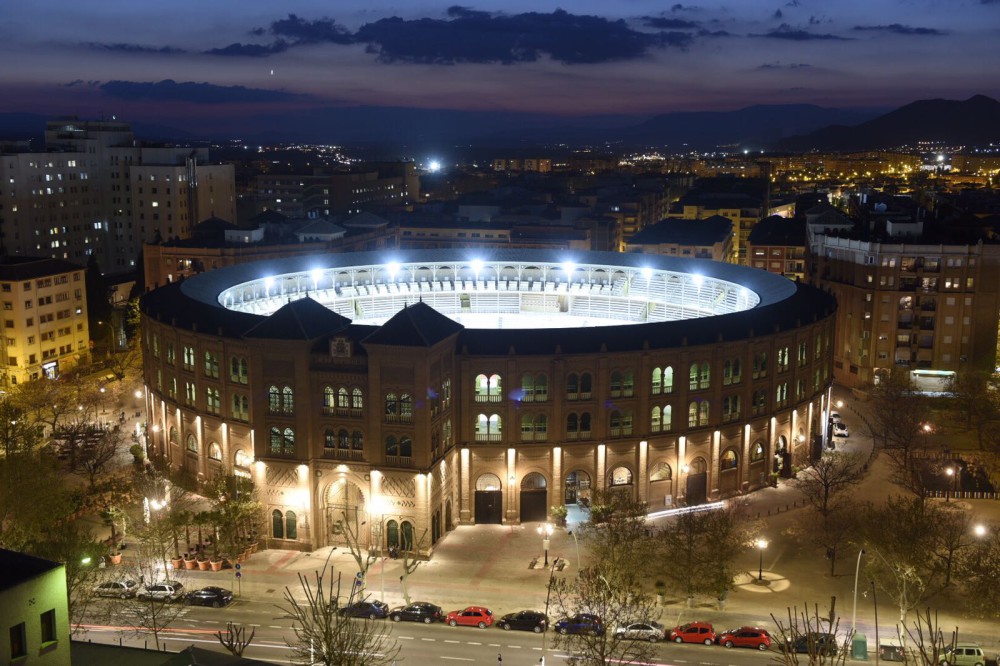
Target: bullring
411, 391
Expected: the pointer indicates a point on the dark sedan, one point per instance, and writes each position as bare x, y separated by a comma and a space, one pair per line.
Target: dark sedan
419, 611
373, 610
526, 620
584, 623
216, 597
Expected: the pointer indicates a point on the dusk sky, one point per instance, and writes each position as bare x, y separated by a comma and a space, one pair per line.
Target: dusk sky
220, 59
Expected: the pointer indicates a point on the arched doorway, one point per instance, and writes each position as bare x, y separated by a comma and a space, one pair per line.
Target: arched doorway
534, 498
345, 505
661, 480
489, 500
391, 534
448, 524
696, 489
782, 458
729, 471
578, 488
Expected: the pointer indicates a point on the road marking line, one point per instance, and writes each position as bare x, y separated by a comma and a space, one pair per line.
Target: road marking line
451, 641
459, 658
275, 626
518, 647
471, 643
430, 640
405, 638
493, 644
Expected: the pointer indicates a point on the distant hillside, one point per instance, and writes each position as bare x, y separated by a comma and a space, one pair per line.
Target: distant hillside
21, 126
973, 121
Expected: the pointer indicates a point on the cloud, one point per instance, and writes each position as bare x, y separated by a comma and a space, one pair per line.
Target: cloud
900, 29
778, 14
785, 31
684, 8
481, 37
301, 31
251, 50
714, 33
132, 48
779, 65
662, 23
190, 91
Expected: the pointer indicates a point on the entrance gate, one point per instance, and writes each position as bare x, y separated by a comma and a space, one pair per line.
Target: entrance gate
534, 498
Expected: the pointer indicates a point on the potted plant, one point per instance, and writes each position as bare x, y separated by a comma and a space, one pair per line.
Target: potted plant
138, 456
559, 513
114, 551
190, 561
177, 562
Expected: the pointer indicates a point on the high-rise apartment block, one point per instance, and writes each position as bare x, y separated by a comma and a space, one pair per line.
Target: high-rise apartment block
44, 304
96, 191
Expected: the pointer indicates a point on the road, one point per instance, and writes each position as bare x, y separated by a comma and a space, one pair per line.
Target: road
419, 643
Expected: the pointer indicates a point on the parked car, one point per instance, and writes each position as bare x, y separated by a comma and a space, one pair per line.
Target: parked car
693, 632
584, 623
118, 589
373, 609
964, 655
814, 642
835, 417
418, 611
216, 597
840, 430
164, 590
473, 616
751, 637
642, 631
526, 620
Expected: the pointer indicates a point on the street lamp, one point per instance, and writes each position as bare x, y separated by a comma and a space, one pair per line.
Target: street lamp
950, 471
576, 542
545, 531
761, 545
854, 610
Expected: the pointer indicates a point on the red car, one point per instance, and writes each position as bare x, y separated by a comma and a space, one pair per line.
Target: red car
473, 616
693, 632
750, 637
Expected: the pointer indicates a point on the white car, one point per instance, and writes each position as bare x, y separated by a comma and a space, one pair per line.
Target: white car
642, 631
835, 417
164, 590
121, 589
840, 430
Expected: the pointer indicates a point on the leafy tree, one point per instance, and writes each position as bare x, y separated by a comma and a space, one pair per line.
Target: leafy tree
34, 499
324, 636
976, 569
976, 394
236, 510
617, 598
827, 486
952, 533
619, 537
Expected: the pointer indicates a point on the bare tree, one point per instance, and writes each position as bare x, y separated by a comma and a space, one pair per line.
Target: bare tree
811, 637
978, 401
618, 535
952, 533
617, 598
929, 642
411, 561
826, 486
976, 570
899, 417
235, 640
324, 636
901, 559
95, 456
364, 557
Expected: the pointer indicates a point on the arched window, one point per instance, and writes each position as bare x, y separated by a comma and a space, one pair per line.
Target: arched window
405, 447
391, 446
329, 439
288, 400
406, 406
585, 423
729, 460
620, 476
191, 444
655, 419
586, 385
660, 472
357, 440
291, 525
668, 379
757, 452
172, 435
704, 375
628, 383
668, 418
343, 440
657, 385
527, 427
241, 459
541, 425
693, 377
616, 384
392, 534
277, 525
616, 420
703, 413
693, 415
241, 407
357, 400
343, 398
541, 388
572, 423
215, 451
406, 536
273, 399
528, 387
572, 386
391, 404
328, 399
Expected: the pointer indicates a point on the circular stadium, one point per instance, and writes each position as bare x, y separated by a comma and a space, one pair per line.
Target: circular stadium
420, 390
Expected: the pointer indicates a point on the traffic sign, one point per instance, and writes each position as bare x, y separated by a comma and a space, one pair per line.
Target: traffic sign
239, 575
238, 566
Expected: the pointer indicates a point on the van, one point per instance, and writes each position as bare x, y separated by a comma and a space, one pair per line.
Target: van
964, 655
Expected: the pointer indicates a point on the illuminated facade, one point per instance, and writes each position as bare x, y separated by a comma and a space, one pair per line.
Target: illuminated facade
419, 390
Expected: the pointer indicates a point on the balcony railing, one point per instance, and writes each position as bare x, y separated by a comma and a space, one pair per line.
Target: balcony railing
344, 454
398, 418
483, 397
487, 437
399, 461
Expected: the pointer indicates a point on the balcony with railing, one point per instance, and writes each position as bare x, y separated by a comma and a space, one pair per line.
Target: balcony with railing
399, 461
343, 454
398, 418
487, 436
488, 397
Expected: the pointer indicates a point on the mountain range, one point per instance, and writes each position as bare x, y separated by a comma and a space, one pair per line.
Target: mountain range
786, 127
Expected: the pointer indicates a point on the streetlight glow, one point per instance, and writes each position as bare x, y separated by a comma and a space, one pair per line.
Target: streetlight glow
761, 545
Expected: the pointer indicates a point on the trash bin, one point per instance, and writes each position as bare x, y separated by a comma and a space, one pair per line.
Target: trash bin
859, 647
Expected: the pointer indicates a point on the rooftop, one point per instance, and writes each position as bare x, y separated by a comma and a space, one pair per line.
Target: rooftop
712, 230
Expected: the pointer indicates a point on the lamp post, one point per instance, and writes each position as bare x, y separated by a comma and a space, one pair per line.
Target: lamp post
576, 542
875, 602
950, 471
761, 545
545, 531
548, 596
854, 610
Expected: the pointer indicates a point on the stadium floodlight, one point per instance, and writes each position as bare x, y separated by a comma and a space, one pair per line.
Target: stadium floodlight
569, 267
316, 274
647, 273
477, 266
393, 268
697, 279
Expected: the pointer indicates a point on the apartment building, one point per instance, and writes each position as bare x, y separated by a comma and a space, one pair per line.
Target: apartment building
44, 307
370, 186
777, 244
711, 238
909, 296
34, 611
743, 210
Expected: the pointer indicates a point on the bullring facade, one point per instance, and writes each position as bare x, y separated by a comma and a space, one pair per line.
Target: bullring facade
407, 394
